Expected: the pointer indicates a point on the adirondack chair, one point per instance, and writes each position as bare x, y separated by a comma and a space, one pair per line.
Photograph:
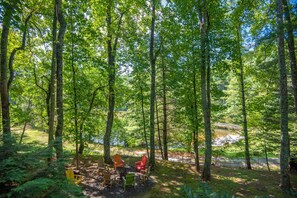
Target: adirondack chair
144, 174
129, 180
118, 162
107, 180
73, 178
140, 165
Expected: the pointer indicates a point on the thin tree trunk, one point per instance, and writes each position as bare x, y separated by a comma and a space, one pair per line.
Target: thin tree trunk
59, 55
164, 112
7, 140
74, 90
153, 91
245, 129
81, 140
25, 124
266, 156
205, 104
144, 123
23, 132
52, 88
111, 84
195, 108
159, 133
111, 51
14, 51
291, 46
285, 183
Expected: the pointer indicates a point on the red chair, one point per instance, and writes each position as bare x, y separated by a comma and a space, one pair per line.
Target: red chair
140, 165
118, 162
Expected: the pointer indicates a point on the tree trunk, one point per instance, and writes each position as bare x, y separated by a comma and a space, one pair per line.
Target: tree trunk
52, 87
195, 122
81, 127
164, 112
153, 91
285, 183
205, 103
60, 115
26, 121
7, 140
245, 129
74, 90
159, 133
291, 46
14, 51
144, 123
266, 156
111, 51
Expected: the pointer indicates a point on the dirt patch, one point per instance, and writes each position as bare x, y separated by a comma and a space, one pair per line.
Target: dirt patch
93, 185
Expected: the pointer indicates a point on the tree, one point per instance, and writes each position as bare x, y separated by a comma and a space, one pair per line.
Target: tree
291, 46
242, 90
204, 25
4, 82
153, 58
285, 183
111, 50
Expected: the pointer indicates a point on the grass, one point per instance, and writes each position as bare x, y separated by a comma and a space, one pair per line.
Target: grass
169, 177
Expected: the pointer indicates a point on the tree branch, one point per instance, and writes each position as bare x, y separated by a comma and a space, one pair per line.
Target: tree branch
14, 51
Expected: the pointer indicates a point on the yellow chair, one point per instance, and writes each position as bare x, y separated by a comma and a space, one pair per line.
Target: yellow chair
73, 178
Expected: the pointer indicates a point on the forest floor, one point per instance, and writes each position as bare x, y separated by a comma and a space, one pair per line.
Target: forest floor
169, 176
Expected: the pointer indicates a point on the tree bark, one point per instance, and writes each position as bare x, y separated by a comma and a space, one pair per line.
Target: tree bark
153, 88
164, 112
203, 18
74, 90
158, 128
245, 129
285, 183
7, 140
291, 46
144, 123
59, 58
52, 86
196, 125
111, 51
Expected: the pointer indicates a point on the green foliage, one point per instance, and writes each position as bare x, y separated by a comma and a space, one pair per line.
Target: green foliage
204, 191
34, 188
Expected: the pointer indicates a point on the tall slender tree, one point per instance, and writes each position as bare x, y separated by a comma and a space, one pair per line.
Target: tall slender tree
285, 183
165, 140
204, 23
59, 58
153, 57
242, 90
111, 52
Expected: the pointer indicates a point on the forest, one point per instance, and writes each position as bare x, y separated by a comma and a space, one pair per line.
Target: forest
148, 98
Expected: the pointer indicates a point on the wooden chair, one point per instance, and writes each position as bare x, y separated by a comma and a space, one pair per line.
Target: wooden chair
145, 174
129, 180
141, 165
118, 162
73, 178
107, 180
